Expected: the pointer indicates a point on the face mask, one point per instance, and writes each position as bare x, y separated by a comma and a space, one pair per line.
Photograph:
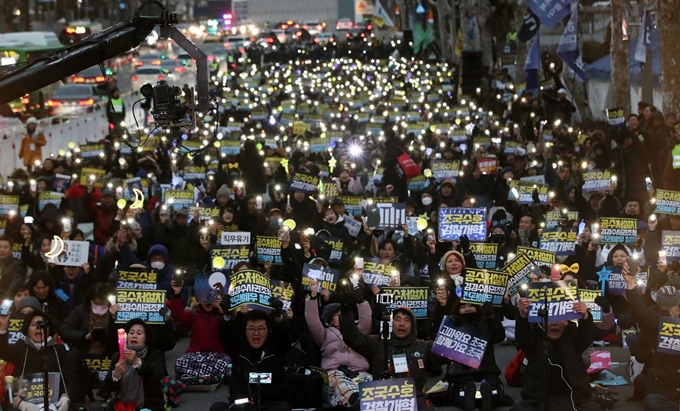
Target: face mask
99, 309
469, 317
21, 183
497, 238
544, 280
427, 201
158, 265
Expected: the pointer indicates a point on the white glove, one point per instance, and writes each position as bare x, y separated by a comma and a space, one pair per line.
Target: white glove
63, 403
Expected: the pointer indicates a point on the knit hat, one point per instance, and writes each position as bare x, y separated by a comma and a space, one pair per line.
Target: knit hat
29, 302
222, 191
328, 311
448, 183
667, 297
455, 253
31, 120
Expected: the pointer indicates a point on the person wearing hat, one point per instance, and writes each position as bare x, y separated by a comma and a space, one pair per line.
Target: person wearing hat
347, 184
180, 237
100, 206
662, 384
562, 108
345, 367
403, 341
31, 145
115, 109
222, 197
448, 194
338, 206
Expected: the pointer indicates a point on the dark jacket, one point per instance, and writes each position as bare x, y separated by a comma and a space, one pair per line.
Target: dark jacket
253, 169
76, 326
12, 271
152, 372
566, 352
393, 150
245, 359
182, 242
76, 291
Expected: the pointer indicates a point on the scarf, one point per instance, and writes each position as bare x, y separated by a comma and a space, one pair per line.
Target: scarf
70, 286
131, 390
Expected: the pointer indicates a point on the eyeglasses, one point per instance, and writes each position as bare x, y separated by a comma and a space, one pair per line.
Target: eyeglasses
258, 330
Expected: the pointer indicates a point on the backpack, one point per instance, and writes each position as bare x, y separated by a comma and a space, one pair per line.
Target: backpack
514, 373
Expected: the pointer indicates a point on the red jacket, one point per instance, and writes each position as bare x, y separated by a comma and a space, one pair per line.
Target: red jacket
204, 326
102, 216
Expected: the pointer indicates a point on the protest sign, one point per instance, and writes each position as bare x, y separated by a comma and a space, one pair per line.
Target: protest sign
553, 219
330, 189
204, 213
596, 180
305, 183
235, 238
143, 304
417, 183
541, 257
230, 147
443, 170
74, 253
9, 204
230, 255
463, 344
667, 202
97, 364
520, 269
560, 296
414, 298
327, 277
92, 150
192, 173
209, 287
523, 192
616, 284
250, 288
669, 335
389, 395
561, 242
670, 241
484, 286
49, 197
61, 183
137, 279
336, 245
588, 297
283, 291
618, 230
391, 215
616, 116
92, 174
550, 12
179, 198
455, 222
487, 165
353, 204
458, 136
378, 274
17, 248
16, 322
268, 249
138, 183
485, 254
34, 384
353, 226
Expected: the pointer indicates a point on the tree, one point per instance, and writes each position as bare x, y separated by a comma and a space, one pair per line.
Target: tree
669, 33
620, 55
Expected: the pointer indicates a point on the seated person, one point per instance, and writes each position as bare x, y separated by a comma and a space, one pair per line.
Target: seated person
16, 293
257, 342
133, 382
44, 288
345, 367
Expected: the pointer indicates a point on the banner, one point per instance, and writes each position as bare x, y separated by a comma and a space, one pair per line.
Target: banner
588, 297
9, 203
667, 202
353, 204
235, 238
327, 277
251, 288
34, 385
48, 197
283, 291
596, 180
484, 286
550, 12
74, 253
390, 395
205, 213
560, 295
669, 335
487, 165
455, 222
443, 170
192, 173
179, 198
336, 245
378, 274
92, 150
670, 241
541, 257
526, 192
530, 27
532, 62
137, 279
561, 242
144, 304
305, 183
618, 230
414, 298
464, 344
616, 116
568, 49
520, 269
230, 254
554, 218
485, 254
92, 174
268, 249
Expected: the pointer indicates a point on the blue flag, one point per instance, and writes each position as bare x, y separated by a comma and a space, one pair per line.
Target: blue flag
531, 67
568, 47
644, 38
550, 12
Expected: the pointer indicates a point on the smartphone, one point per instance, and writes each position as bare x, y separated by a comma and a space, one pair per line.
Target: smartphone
283, 233
28, 220
430, 236
132, 223
67, 224
34, 185
581, 227
633, 264
662, 257
359, 262
241, 401
5, 306
177, 278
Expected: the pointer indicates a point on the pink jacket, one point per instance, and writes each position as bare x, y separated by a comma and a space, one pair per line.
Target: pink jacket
334, 351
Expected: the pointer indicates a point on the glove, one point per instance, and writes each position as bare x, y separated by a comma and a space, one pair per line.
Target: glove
534, 196
464, 244
225, 303
63, 403
276, 306
347, 302
604, 303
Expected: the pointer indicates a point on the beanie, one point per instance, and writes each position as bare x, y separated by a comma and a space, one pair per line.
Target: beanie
667, 297
223, 191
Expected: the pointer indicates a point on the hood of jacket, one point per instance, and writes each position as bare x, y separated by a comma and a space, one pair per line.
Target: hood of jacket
161, 249
411, 338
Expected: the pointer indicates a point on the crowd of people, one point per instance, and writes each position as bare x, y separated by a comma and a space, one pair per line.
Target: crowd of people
344, 124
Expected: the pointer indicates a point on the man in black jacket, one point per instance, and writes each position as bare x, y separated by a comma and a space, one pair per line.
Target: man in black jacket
256, 343
12, 270
568, 381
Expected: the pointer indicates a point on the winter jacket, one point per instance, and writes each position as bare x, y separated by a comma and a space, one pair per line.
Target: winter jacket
333, 349
103, 216
77, 289
12, 271
351, 187
393, 150
634, 172
31, 148
164, 276
76, 326
182, 242
566, 352
245, 359
151, 372
204, 326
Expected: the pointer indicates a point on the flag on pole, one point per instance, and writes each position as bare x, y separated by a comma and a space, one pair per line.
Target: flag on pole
568, 47
531, 68
644, 38
459, 43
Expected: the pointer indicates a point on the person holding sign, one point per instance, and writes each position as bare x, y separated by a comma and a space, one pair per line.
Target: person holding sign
28, 358
566, 374
133, 381
345, 367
